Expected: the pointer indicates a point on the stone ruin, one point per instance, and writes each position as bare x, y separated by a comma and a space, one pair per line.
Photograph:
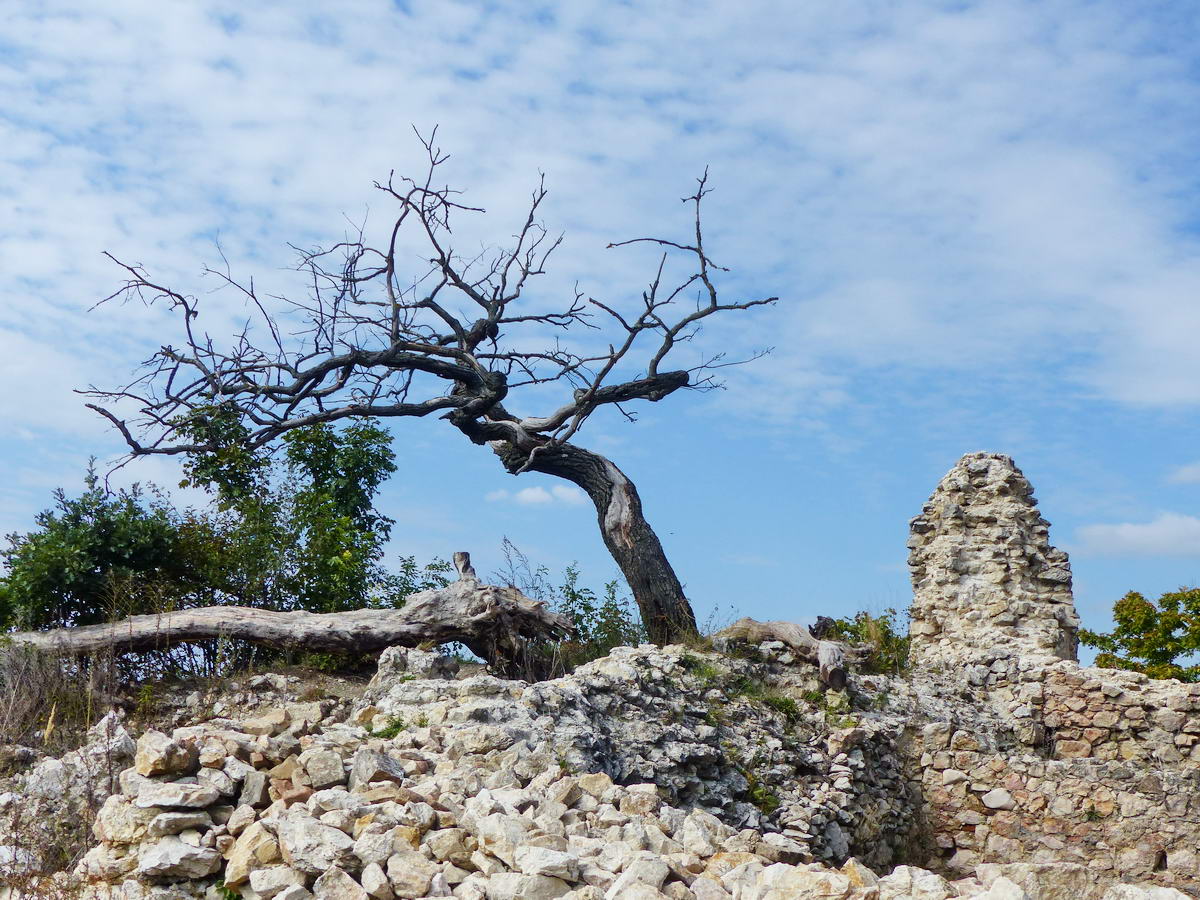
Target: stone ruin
985, 577
998, 763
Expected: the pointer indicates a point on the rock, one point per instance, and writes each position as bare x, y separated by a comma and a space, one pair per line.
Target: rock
1142, 892
255, 847
311, 846
371, 765
783, 882
1041, 881
157, 754
410, 874
175, 822
171, 793
375, 882
324, 768
120, 822
454, 845
980, 550
644, 870
334, 884
1003, 889
911, 883
240, 818
998, 798
170, 858
271, 722
533, 860
500, 835
270, 881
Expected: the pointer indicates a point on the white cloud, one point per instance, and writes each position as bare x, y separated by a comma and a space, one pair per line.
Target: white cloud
537, 495
1169, 534
1188, 474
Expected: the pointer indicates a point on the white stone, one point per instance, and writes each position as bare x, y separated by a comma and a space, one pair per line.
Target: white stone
171, 858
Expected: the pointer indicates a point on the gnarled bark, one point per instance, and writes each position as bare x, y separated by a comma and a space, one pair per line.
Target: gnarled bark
498, 624
666, 612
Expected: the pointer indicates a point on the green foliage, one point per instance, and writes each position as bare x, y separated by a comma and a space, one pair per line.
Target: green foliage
786, 706
704, 671
602, 621
760, 794
297, 533
395, 725
62, 574
1159, 638
227, 892
885, 638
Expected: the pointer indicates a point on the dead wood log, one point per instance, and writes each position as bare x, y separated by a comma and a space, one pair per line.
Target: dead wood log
828, 656
498, 624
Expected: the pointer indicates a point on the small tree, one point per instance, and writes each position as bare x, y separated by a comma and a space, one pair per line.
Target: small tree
456, 338
1160, 638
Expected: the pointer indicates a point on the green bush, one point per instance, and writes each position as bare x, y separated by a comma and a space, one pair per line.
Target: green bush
1159, 638
63, 573
884, 638
298, 533
602, 621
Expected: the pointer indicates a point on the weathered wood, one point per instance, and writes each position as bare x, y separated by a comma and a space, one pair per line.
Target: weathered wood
828, 656
496, 623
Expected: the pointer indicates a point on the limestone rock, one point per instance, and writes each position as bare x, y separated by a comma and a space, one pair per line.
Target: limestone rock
157, 754
170, 858
410, 874
175, 794
312, 846
335, 884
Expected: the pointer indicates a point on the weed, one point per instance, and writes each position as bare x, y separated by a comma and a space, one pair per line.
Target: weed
816, 698
422, 721
701, 669
226, 892
564, 766
395, 725
786, 706
1091, 815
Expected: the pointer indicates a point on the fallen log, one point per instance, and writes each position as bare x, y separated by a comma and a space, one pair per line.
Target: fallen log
498, 624
828, 656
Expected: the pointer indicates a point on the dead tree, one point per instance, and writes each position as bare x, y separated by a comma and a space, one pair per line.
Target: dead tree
457, 338
498, 624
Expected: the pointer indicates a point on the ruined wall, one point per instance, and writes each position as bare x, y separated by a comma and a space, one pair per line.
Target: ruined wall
1040, 759
985, 577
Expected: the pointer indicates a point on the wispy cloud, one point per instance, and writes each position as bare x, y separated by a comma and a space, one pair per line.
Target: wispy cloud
1188, 474
1168, 534
537, 495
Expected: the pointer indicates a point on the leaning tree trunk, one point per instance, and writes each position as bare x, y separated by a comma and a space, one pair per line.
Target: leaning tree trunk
666, 612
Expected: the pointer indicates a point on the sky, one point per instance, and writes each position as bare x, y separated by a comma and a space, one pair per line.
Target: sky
980, 219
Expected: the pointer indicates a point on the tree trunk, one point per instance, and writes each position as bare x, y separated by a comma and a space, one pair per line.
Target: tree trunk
496, 623
666, 612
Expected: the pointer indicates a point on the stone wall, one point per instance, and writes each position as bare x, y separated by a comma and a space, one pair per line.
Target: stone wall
1038, 758
984, 574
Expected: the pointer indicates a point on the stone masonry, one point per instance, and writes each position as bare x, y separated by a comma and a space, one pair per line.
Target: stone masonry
985, 577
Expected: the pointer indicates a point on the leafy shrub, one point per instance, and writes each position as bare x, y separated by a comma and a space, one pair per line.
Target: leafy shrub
884, 638
1158, 638
62, 573
602, 621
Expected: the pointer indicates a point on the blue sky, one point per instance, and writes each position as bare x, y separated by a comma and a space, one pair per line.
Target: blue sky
981, 219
